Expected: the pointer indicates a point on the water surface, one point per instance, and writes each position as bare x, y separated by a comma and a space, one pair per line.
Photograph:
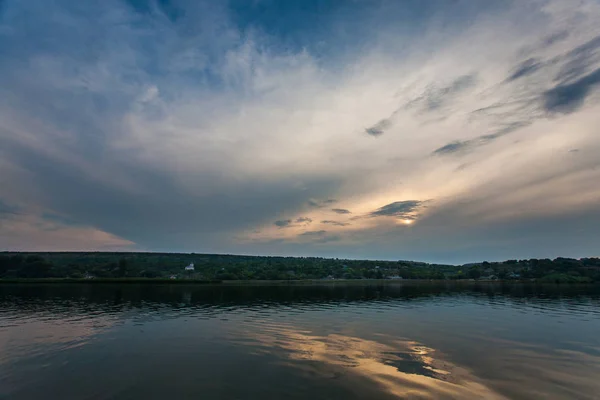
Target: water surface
351, 341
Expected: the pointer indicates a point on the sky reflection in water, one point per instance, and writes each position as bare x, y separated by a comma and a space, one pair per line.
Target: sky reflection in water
318, 342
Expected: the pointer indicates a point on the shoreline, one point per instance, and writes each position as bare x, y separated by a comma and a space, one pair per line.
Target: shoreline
296, 282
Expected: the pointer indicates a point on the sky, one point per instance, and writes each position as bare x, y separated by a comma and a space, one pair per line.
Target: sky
436, 130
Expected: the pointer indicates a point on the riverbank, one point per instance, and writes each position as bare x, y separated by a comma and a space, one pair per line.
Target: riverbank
257, 282
112, 280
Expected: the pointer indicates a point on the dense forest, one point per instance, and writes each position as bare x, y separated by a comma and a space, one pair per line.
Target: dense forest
98, 265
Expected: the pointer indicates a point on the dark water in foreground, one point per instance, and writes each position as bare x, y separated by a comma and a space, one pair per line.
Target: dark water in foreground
337, 341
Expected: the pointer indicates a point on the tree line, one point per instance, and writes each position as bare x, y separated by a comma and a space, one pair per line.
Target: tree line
235, 267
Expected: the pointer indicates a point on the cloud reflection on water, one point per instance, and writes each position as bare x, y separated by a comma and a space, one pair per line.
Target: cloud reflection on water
402, 368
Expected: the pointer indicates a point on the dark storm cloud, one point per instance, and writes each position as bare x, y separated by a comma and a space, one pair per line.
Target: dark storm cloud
341, 211
335, 223
400, 209
527, 67
567, 98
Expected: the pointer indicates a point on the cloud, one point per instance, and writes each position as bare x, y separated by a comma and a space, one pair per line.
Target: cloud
321, 203
319, 237
526, 67
567, 98
313, 233
341, 211
151, 124
452, 147
555, 38
283, 223
335, 223
288, 223
400, 209
26, 231
379, 128
434, 98
463, 146
578, 61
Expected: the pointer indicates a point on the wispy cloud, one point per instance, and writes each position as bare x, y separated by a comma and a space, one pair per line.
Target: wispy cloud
379, 128
336, 223
304, 220
567, 98
399, 209
525, 68
314, 233
466, 145
341, 211
321, 203
434, 98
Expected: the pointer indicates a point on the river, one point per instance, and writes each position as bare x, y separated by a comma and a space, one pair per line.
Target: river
326, 341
